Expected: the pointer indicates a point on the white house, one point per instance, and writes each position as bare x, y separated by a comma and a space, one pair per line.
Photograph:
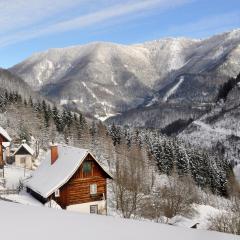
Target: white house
24, 156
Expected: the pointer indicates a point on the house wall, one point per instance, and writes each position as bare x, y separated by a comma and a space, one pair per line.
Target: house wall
3, 139
28, 161
85, 207
7, 152
77, 189
37, 196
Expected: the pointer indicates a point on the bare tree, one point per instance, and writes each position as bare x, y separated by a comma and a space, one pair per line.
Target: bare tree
173, 198
226, 222
229, 221
130, 185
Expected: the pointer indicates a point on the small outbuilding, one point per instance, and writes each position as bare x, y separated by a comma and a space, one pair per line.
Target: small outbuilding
24, 156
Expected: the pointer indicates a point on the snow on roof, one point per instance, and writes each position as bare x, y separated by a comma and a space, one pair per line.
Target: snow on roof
181, 221
40, 223
5, 134
47, 178
26, 147
6, 144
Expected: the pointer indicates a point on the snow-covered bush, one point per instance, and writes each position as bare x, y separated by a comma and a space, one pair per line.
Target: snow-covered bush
226, 222
174, 197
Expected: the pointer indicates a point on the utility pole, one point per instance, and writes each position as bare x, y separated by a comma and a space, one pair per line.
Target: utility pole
1, 158
24, 168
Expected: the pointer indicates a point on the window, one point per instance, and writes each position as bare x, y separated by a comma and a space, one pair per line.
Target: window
87, 169
57, 193
22, 160
94, 209
93, 189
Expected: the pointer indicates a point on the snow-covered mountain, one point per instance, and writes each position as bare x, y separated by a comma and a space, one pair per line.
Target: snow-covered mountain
105, 78
13, 83
219, 129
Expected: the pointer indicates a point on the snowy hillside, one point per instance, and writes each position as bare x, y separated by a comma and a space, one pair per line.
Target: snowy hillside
105, 78
11, 82
43, 223
219, 129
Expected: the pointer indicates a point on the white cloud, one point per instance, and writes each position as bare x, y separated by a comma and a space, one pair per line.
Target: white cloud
25, 19
22, 13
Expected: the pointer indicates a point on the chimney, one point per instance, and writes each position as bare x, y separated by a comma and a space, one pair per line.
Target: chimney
54, 153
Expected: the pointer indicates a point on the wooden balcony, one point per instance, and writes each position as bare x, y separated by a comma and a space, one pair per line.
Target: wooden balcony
97, 196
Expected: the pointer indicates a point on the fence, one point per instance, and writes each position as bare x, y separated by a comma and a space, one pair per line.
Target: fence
9, 191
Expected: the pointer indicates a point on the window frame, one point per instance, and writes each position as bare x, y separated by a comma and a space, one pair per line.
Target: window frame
95, 207
23, 160
57, 193
89, 172
93, 186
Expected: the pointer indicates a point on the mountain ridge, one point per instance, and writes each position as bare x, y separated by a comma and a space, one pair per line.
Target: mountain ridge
105, 79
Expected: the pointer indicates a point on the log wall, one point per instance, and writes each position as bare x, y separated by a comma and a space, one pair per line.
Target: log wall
77, 189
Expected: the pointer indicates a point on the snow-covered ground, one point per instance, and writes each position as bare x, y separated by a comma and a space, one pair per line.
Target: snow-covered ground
204, 212
44, 223
23, 198
104, 118
14, 174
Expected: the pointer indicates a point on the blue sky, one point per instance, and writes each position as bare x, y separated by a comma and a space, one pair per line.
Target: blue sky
28, 26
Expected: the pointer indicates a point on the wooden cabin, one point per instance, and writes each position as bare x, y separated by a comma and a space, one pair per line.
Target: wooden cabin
24, 156
73, 178
4, 146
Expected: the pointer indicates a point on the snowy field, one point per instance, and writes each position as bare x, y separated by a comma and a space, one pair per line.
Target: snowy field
203, 212
15, 174
44, 223
23, 198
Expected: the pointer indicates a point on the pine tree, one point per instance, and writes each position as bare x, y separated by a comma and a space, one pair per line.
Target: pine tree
47, 113
168, 157
30, 101
115, 133
57, 119
181, 160
197, 168
25, 102
23, 132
